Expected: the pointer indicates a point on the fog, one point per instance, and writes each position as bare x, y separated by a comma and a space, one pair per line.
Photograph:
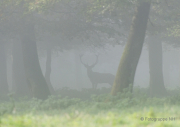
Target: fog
89, 63
67, 70
70, 45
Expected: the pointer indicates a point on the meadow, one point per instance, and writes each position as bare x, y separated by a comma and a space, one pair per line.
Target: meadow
91, 108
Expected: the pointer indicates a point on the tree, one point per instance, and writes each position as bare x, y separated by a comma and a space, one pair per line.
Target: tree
161, 29
156, 85
23, 18
129, 60
34, 75
48, 69
19, 82
3, 72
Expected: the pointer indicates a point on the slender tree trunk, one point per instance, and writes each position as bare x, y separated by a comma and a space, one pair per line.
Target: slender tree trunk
48, 70
35, 78
19, 79
166, 69
157, 88
3, 72
78, 72
129, 60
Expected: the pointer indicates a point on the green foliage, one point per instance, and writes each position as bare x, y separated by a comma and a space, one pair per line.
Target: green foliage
174, 31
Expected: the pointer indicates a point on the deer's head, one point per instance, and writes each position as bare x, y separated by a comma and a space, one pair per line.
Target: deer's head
88, 67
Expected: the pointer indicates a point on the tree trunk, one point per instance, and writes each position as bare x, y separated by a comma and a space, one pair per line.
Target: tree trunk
19, 79
35, 78
167, 69
3, 73
129, 60
78, 72
48, 70
156, 88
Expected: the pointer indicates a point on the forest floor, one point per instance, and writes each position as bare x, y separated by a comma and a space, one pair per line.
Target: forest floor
123, 110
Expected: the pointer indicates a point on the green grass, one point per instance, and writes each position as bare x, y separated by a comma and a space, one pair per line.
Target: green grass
123, 110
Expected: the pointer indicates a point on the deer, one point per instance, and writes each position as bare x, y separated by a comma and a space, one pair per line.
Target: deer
96, 77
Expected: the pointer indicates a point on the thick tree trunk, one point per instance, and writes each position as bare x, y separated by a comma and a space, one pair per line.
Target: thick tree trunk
156, 88
35, 78
19, 79
129, 60
48, 70
3, 73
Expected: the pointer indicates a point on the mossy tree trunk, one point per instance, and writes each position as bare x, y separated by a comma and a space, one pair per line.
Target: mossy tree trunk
3, 72
48, 69
129, 60
35, 78
19, 79
156, 84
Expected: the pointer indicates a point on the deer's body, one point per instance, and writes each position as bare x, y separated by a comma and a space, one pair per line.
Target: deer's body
98, 78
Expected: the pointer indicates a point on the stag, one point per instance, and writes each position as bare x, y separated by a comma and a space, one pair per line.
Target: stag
96, 77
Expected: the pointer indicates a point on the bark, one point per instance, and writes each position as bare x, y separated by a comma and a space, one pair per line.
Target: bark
129, 60
156, 88
35, 78
48, 70
19, 79
3, 73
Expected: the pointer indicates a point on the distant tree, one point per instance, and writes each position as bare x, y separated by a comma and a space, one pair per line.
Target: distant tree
3, 71
163, 20
48, 68
156, 85
19, 83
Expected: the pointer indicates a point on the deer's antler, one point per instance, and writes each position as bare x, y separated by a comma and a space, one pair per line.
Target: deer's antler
81, 55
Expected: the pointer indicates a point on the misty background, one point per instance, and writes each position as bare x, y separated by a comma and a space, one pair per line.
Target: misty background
67, 71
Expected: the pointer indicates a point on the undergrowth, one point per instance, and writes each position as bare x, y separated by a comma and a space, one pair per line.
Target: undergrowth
101, 110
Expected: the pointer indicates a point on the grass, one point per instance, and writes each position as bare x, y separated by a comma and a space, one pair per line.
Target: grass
123, 110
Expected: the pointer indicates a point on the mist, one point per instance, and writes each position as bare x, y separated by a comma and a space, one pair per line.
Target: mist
89, 63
